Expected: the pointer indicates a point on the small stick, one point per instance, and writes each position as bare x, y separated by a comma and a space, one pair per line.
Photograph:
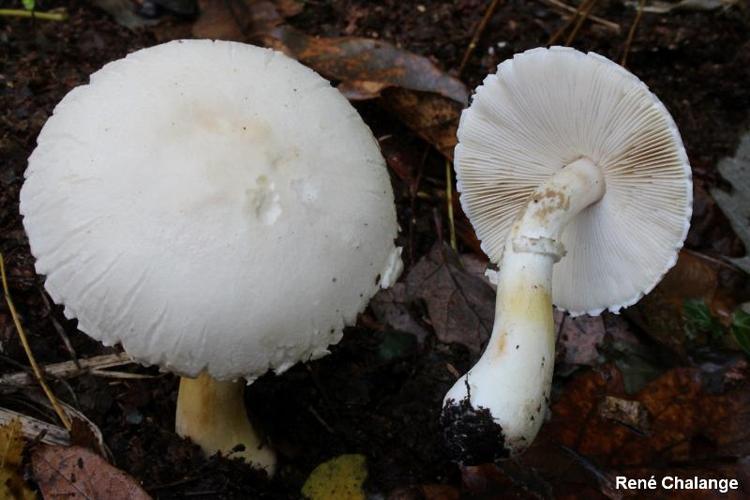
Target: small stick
631, 33
477, 34
559, 33
580, 22
44, 16
25, 342
33, 428
68, 369
595, 19
449, 199
58, 327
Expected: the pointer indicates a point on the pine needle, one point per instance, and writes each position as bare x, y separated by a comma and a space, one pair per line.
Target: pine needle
25, 342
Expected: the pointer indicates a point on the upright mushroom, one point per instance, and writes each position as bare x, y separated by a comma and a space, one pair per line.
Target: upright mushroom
218, 209
563, 157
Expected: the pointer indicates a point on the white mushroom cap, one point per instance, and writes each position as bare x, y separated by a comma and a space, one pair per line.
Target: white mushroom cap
546, 108
210, 205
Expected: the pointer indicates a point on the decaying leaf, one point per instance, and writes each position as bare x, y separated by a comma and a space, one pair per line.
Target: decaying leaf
736, 203
340, 478
432, 117
356, 60
504, 480
11, 450
393, 307
124, 13
635, 361
579, 337
76, 472
661, 313
427, 99
460, 305
685, 420
625, 411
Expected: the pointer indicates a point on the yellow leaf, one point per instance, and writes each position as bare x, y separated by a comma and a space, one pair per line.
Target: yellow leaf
340, 478
11, 455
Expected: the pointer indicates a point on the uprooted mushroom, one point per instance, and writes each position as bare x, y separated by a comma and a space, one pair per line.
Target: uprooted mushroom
565, 161
218, 209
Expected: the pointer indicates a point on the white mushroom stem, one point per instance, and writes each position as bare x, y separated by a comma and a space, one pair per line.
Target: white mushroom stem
512, 380
212, 414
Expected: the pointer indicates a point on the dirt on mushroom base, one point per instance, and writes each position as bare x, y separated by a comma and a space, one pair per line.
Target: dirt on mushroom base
359, 399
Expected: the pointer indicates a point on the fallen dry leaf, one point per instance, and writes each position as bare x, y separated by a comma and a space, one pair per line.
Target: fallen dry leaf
578, 338
685, 421
736, 203
630, 413
355, 60
364, 66
341, 478
428, 100
392, 307
432, 117
76, 472
11, 451
661, 313
460, 305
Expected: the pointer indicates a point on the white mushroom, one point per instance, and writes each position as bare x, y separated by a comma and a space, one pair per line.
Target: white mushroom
568, 157
218, 209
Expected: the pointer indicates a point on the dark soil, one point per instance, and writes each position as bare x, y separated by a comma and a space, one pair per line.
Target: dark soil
365, 397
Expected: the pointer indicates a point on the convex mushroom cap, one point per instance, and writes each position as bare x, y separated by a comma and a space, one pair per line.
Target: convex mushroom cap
545, 109
212, 206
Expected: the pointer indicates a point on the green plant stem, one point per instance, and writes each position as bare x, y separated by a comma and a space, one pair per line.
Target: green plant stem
44, 16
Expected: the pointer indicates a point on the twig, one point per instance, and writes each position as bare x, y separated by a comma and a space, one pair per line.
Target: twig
69, 369
320, 419
562, 29
44, 16
25, 342
631, 33
32, 427
594, 19
581, 20
559, 33
449, 199
59, 329
477, 34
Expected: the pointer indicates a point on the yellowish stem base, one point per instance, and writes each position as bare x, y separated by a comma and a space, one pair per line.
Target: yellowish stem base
212, 414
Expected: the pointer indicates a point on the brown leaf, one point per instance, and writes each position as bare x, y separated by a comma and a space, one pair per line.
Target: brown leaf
356, 59
237, 20
460, 305
432, 117
661, 313
124, 13
428, 100
392, 307
12, 443
627, 412
579, 338
76, 472
686, 422
289, 8
364, 66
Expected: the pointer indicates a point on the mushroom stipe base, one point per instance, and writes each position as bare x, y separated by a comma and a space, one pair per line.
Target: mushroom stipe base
471, 434
212, 414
